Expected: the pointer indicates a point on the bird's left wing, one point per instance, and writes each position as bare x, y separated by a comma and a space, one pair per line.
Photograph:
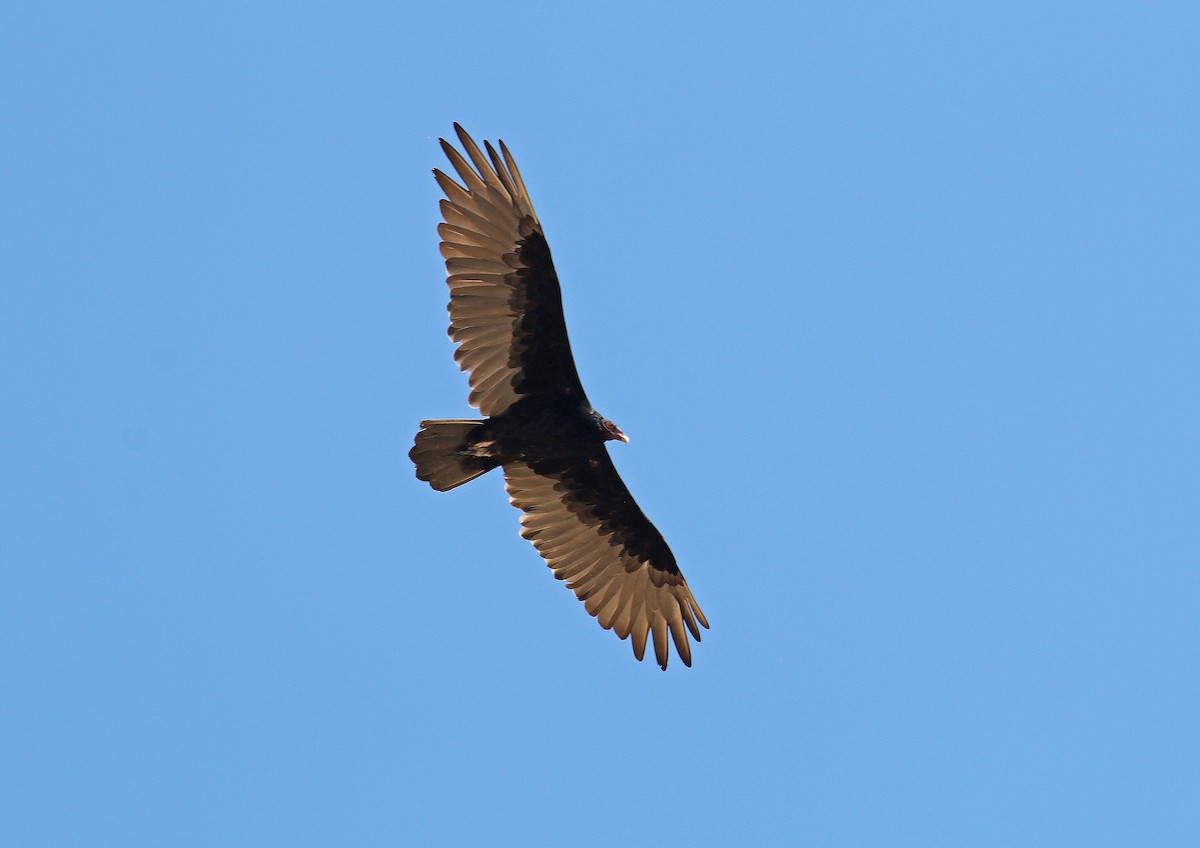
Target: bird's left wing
585, 524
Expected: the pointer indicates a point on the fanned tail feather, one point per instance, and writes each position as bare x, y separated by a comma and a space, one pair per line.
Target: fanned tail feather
439, 454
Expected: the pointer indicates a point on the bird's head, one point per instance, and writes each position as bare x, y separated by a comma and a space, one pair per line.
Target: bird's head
611, 431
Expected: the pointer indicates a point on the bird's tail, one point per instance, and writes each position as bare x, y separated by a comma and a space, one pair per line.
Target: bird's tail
441, 457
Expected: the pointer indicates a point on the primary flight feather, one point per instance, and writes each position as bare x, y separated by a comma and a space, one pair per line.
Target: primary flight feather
507, 321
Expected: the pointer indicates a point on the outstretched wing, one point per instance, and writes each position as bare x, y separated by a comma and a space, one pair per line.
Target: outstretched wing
583, 521
505, 303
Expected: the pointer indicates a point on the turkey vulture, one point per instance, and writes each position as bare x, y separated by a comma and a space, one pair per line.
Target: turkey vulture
506, 317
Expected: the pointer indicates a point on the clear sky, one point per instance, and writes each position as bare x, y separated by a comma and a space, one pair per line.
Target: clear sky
900, 308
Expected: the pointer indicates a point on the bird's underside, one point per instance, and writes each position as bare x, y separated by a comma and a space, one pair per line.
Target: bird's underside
506, 319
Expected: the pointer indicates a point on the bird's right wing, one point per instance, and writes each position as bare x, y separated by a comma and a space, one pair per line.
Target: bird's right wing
505, 302
586, 525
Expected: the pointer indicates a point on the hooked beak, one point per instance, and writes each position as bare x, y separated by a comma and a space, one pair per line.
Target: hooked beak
613, 432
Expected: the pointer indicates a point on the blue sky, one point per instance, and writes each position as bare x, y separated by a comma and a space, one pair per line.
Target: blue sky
898, 305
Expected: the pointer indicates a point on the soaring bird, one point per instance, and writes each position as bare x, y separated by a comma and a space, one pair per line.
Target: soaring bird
506, 318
